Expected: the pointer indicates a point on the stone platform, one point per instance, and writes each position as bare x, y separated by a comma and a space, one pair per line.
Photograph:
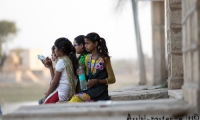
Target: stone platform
109, 110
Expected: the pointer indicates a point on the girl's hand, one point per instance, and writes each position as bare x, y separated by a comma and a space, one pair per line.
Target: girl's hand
43, 62
83, 68
48, 62
91, 83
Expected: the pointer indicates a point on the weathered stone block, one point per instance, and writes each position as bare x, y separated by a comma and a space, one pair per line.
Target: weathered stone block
176, 65
175, 83
172, 2
176, 94
191, 93
175, 16
175, 39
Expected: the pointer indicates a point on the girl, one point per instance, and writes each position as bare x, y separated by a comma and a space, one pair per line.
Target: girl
64, 79
99, 70
54, 58
79, 45
54, 61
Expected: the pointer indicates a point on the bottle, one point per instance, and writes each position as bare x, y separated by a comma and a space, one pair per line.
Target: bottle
41, 57
82, 78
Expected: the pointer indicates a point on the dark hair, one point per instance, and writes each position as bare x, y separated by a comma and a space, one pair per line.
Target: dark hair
80, 40
67, 48
102, 48
53, 48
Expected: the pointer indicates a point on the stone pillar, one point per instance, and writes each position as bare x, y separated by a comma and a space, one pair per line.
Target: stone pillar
191, 52
174, 43
158, 41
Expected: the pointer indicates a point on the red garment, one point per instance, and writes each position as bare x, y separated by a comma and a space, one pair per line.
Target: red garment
52, 99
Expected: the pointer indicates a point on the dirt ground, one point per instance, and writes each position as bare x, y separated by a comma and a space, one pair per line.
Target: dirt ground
32, 92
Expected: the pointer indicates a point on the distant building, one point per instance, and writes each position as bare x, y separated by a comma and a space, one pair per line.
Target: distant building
23, 66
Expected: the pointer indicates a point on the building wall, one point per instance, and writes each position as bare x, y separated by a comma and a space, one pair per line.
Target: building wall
30, 61
191, 52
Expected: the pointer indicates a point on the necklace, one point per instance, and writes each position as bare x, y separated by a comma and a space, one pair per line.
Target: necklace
92, 69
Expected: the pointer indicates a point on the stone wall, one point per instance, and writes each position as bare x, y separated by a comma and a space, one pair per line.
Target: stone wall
191, 51
174, 43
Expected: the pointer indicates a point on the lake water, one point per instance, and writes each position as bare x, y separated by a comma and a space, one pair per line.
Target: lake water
10, 107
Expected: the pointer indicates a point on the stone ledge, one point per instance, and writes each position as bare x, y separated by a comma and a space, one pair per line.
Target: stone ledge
98, 110
177, 94
138, 95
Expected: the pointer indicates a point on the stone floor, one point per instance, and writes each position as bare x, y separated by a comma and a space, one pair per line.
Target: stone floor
124, 105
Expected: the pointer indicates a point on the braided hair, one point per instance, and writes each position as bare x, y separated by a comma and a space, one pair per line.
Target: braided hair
67, 48
102, 48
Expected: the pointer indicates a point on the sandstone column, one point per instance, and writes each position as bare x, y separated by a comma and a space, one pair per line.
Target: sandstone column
158, 42
191, 52
174, 43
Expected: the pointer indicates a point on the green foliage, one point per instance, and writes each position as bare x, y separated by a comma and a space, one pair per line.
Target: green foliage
7, 29
165, 84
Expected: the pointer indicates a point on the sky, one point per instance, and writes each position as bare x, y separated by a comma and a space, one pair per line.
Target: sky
41, 22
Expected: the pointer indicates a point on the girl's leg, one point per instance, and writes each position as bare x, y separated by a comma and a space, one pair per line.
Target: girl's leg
53, 98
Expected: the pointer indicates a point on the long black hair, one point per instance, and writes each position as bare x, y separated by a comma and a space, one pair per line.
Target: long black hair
102, 48
80, 40
67, 48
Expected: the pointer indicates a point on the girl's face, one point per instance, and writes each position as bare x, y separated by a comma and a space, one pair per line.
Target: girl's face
79, 48
53, 56
89, 45
58, 52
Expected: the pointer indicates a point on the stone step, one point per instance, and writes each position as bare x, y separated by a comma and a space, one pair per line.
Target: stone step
176, 94
139, 93
109, 110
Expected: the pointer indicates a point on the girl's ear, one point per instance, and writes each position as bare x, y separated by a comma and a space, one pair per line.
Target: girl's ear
81, 45
96, 44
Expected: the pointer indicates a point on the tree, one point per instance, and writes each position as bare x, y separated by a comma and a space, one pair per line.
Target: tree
7, 31
142, 72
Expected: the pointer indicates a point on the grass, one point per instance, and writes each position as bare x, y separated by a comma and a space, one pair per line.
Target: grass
19, 93
165, 84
